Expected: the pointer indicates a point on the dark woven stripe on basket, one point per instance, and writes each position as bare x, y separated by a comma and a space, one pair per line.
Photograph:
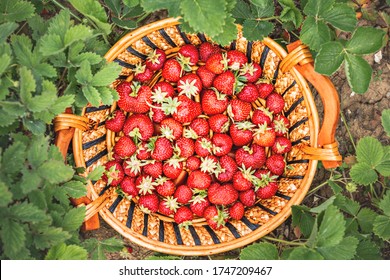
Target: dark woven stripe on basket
214, 237
94, 142
289, 87
249, 51
286, 197
95, 109
293, 106
263, 57
297, 142
148, 42
249, 224
161, 231
183, 35
136, 53
145, 229
233, 230
167, 38
124, 64
130, 214
176, 229
96, 158
195, 235
266, 209
298, 124
201, 37
115, 204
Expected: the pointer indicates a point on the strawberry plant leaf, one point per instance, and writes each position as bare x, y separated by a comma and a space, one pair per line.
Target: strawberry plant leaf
55, 171
73, 219
131, 3
27, 212
386, 121
229, 32
96, 173
66, 252
358, 73
341, 16
5, 195
369, 150
329, 58
92, 95
331, 229
290, 13
11, 10
13, 237
27, 84
91, 57
51, 44
303, 253
84, 74
35, 126
347, 205
382, 227
317, 8
50, 236
108, 95
323, 206
6, 29
127, 24
366, 218
97, 248
162, 258
302, 218
315, 33
173, 6
384, 204
384, 166
13, 158
259, 251
256, 30
75, 189
106, 75
263, 8
242, 10
367, 250
30, 181
76, 33
6, 60
363, 174
43, 101
344, 250
366, 40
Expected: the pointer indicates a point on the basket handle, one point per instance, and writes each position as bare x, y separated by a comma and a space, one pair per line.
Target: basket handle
327, 151
64, 127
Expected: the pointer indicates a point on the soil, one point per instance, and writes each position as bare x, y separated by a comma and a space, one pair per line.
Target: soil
361, 116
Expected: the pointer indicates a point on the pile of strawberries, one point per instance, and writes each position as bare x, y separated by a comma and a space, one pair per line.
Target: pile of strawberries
194, 144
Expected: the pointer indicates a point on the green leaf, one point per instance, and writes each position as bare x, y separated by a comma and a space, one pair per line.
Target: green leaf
97, 248
51, 44
242, 10
303, 253
335, 187
55, 171
62, 102
114, 5
96, 173
228, 34
363, 174
127, 23
46, 99
315, 33
6, 29
382, 227
341, 16
290, 13
345, 250
30, 181
5, 195
73, 219
76, 33
131, 3
367, 250
259, 251
366, 218
329, 58
92, 95
331, 229
60, 23
264, 8
302, 218
13, 158
384, 204
107, 95
27, 84
106, 75
323, 206
173, 6
386, 121
366, 40
91, 57
11, 10
162, 258
317, 7
384, 166
358, 73
49, 237
369, 150
84, 74
256, 30
66, 252
204, 15
6, 60
13, 237
347, 205
27, 212
37, 127
75, 189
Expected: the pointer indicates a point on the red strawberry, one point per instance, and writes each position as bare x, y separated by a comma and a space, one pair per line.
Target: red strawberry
282, 145
264, 136
172, 70
267, 191
189, 85
143, 152
248, 93
172, 168
145, 184
251, 71
183, 194
157, 114
142, 73
264, 89
113, 174
206, 76
115, 121
251, 157
217, 63
228, 164
162, 90
168, 206
237, 210
213, 102
222, 194
262, 115
197, 128
198, 204
171, 129
275, 103
239, 110
183, 215
222, 144
219, 123
185, 147
132, 166
206, 49
128, 186
276, 164
134, 97
203, 146
193, 163
187, 110
149, 203
154, 169
125, 147
214, 217
210, 164
117, 158
165, 186
139, 127
241, 133
236, 59
225, 82
155, 60
127, 99
248, 197
199, 180
280, 124
242, 179
162, 149
191, 52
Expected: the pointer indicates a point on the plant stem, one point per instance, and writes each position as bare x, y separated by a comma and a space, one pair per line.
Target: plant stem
292, 243
63, 7
348, 131
268, 18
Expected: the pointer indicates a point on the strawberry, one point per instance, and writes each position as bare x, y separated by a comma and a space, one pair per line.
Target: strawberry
206, 49
199, 180
143, 152
172, 168
139, 127
225, 83
280, 124
185, 147
127, 99
157, 114
193, 163
203, 146
239, 110
116, 158
248, 197
198, 204
228, 166
236, 59
219, 123
242, 179
275, 103
155, 60
264, 89
134, 97
115, 121
168, 206
198, 127
222, 194
214, 102
237, 210
128, 186
183, 194
210, 164
282, 145
172, 70
142, 73
261, 115
251, 71
149, 203
154, 169
145, 184
132, 166
161, 149
264, 136
276, 164
217, 63
248, 93
222, 144
171, 129
113, 174
183, 215
190, 85
214, 217
241, 133
162, 90
165, 186
187, 110
191, 52
125, 147
206, 76
267, 191
251, 157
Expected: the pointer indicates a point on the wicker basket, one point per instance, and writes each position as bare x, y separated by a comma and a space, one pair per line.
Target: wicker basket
288, 72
